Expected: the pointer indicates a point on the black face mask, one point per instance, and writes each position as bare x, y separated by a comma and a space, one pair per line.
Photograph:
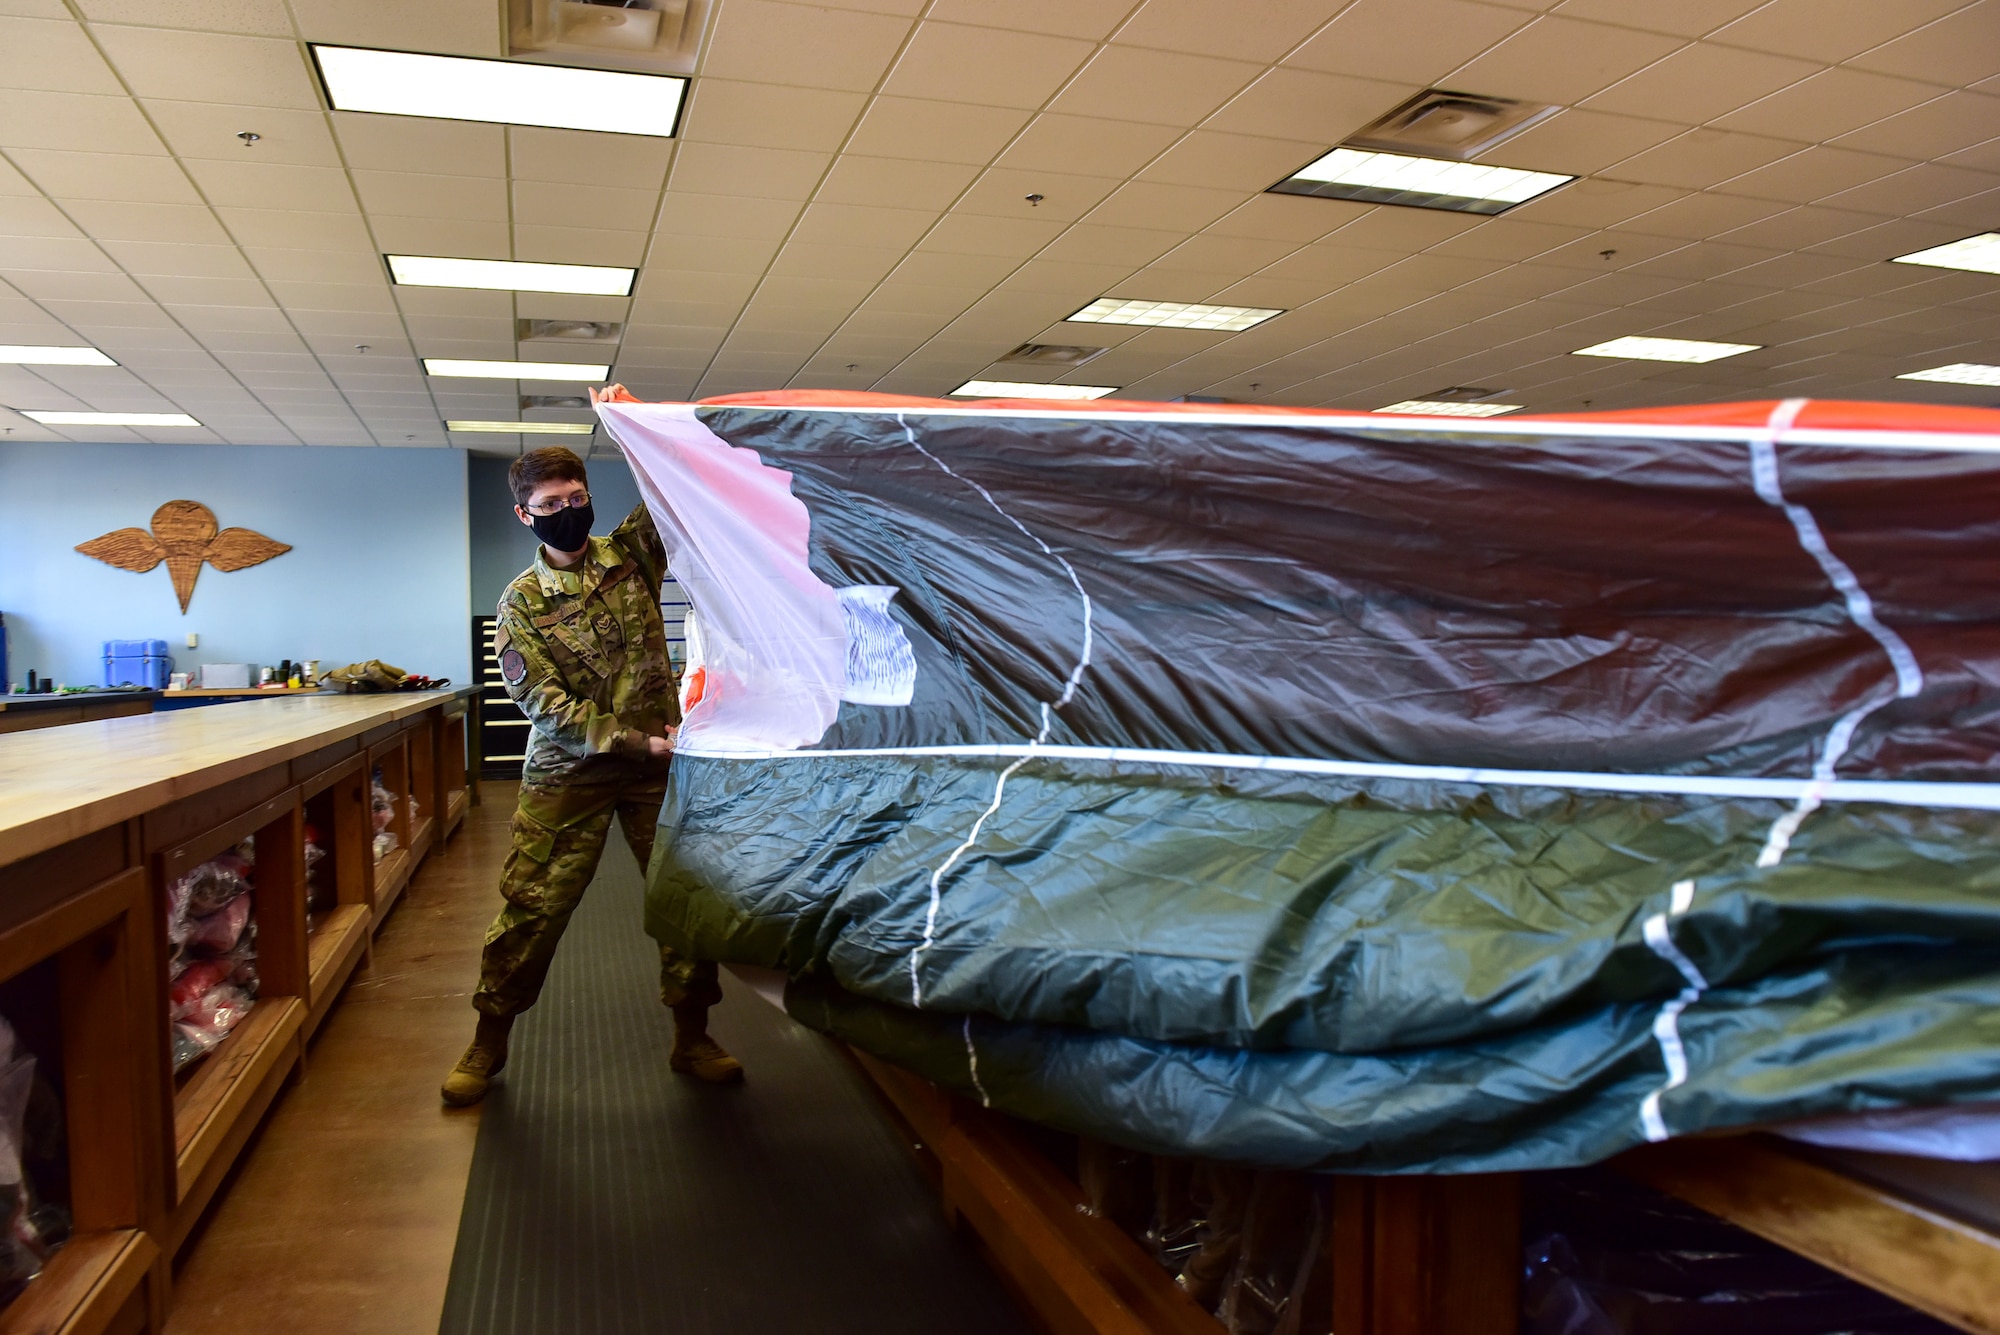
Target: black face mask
567, 530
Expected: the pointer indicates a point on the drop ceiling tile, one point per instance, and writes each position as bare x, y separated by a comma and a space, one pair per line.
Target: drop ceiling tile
800, 45
70, 254
86, 316
452, 27
1373, 38
210, 67
759, 115
1287, 217
269, 186
122, 221
722, 254
180, 260
687, 214
587, 158
1230, 257
1701, 215
811, 259
46, 285
579, 245
263, 18
1304, 105
295, 228
911, 295
1001, 192
684, 285
1969, 212
901, 127
1231, 161
1596, 203
571, 205
762, 173
1813, 174
1703, 158
1100, 243
1160, 87
1836, 30
209, 130
66, 175
1087, 146
863, 225
1329, 265
1403, 230
1797, 270
1079, 283
422, 195
951, 62
894, 182
13, 183
318, 266
419, 144
1151, 204
975, 234
74, 121
440, 236
1802, 228
1562, 61
1702, 261
1579, 143
1829, 104
349, 327
415, 301
1689, 18
31, 215
1508, 239
1949, 124
1914, 190
52, 54
1700, 82
331, 296
1259, 30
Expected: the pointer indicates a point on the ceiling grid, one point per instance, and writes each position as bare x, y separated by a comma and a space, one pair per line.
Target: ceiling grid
851, 187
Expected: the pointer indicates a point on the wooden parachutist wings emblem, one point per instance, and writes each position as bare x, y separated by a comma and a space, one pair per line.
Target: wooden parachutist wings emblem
184, 535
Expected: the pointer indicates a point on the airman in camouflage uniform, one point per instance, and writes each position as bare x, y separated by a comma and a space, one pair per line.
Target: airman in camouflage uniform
583, 652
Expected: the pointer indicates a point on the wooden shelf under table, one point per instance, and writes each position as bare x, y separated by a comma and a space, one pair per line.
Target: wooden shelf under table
331, 952
455, 804
222, 1097
90, 1287
392, 873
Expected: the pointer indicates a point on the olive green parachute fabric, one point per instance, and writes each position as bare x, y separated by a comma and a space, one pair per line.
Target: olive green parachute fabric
1326, 792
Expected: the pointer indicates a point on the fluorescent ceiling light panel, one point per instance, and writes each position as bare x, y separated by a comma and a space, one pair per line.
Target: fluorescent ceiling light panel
109, 419
1445, 408
1022, 389
404, 83
1641, 349
1958, 373
526, 428
517, 370
31, 354
1173, 314
1424, 183
1975, 254
510, 275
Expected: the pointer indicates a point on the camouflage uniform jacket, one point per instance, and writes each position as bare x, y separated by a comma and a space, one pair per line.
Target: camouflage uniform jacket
583, 652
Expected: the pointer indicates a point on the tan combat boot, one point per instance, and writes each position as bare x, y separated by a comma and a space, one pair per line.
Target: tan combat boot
698, 1055
482, 1061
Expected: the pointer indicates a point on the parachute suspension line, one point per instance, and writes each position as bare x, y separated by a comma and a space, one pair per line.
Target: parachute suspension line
1860, 610
1041, 734
1909, 681
972, 1065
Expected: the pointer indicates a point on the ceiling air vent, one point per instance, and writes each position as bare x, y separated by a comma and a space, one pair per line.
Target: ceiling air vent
1441, 124
653, 36
567, 331
1051, 354
530, 402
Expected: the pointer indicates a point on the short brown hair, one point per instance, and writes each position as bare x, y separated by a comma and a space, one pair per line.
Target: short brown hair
551, 463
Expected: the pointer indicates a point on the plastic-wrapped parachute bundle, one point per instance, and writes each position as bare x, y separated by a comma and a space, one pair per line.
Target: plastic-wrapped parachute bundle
212, 937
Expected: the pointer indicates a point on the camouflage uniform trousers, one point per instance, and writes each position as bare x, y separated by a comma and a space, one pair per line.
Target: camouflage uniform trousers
559, 833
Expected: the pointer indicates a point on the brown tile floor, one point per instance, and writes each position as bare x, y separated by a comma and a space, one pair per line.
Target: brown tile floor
343, 1212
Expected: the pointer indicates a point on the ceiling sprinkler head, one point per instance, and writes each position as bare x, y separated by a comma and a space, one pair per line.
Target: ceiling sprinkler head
1034, 201
248, 137
361, 347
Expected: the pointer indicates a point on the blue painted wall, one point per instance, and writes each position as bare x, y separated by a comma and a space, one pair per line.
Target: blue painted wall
379, 566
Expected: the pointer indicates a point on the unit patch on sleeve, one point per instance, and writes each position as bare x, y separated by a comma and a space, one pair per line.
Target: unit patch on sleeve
513, 667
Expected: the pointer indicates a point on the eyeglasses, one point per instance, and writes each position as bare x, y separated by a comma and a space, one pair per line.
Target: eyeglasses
548, 508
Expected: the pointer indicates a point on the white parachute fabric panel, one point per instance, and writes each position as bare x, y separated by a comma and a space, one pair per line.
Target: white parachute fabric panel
768, 663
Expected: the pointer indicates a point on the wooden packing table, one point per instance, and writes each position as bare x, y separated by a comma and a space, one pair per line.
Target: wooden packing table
97, 819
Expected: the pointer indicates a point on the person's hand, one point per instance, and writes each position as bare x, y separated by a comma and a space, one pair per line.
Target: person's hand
613, 394
659, 748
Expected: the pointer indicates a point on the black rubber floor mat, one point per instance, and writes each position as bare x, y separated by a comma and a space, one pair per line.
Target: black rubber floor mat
609, 1195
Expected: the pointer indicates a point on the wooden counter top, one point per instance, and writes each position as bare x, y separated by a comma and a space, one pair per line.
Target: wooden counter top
60, 783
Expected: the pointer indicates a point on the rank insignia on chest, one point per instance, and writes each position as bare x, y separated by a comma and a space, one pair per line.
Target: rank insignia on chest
604, 623
513, 667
